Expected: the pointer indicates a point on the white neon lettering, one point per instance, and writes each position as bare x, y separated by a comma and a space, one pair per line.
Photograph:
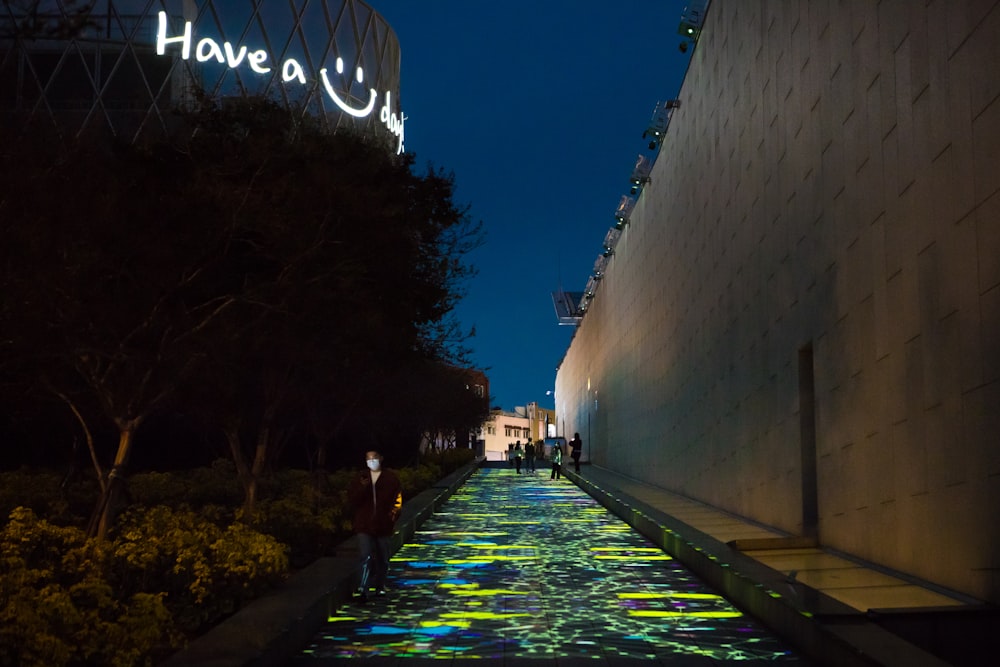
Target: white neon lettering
293, 70
231, 58
257, 59
207, 50
162, 40
393, 122
346, 108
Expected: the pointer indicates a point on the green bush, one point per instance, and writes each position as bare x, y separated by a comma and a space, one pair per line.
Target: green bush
206, 572
67, 600
216, 485
418, 478
449, 460
57, 608
44, 493
309, 518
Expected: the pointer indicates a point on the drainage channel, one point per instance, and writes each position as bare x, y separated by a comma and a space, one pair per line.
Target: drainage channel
521, 566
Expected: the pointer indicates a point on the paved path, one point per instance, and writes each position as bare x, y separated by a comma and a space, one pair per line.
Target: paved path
520, 567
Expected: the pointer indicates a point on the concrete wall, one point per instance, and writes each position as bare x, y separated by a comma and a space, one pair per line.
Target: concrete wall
830, 187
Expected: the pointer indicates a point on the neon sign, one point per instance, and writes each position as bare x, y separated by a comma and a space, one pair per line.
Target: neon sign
207, 49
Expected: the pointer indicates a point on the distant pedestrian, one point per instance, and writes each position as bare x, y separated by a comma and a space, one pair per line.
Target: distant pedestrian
529, 456
556, 456
518, 454
376, 496
577, 444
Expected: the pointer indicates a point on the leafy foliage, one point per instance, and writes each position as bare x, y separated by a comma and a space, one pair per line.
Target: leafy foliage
57, 607
206, 571
69, 600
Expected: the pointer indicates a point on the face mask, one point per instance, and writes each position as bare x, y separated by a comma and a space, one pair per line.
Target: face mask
373, 464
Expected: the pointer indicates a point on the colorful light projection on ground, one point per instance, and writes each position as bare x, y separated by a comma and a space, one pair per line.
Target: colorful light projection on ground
519, 566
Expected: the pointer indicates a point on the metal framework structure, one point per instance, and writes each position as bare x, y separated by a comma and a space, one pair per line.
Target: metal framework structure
98, 67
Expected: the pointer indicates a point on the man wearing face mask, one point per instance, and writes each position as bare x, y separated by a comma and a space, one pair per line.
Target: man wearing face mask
377, 497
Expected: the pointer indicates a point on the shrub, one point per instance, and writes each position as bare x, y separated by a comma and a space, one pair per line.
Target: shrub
56, 607
416, 479
308, 519
206, 572
449, 460
37, 491
216, 485
67, 600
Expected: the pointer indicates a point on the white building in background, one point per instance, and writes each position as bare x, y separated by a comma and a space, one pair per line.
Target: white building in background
503, 429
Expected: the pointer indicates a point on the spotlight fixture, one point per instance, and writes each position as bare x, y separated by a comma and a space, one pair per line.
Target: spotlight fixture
659, 122
611, 240
640, 174
624, 211
600, 265
692, 19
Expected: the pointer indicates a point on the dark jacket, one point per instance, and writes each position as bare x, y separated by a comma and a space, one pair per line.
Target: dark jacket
375, 511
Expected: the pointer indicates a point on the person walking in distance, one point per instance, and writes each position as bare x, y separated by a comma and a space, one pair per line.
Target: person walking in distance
518, 454
529, 456
577, 444
376, 496
556, 456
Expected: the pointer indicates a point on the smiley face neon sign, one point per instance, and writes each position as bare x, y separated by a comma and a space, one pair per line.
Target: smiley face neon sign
207, 49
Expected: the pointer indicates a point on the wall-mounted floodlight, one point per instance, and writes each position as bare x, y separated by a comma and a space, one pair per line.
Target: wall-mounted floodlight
611, 240
600, 264
640, 174
693, 18
659, 122
624, 211
588, 295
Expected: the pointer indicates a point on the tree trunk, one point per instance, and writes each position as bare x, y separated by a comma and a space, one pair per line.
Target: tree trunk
242, 470
249, 475
259, 460
113, 496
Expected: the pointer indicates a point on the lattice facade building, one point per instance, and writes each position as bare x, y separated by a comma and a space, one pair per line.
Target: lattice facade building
124, 66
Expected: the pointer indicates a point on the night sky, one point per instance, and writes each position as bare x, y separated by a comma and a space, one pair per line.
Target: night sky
538, 107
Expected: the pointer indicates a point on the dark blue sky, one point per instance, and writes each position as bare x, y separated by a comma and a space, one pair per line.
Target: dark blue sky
538, 107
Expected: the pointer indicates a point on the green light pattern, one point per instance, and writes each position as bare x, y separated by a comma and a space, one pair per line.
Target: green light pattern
520, 566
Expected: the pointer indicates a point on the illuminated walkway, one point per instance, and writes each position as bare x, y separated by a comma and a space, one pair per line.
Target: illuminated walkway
520, 567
